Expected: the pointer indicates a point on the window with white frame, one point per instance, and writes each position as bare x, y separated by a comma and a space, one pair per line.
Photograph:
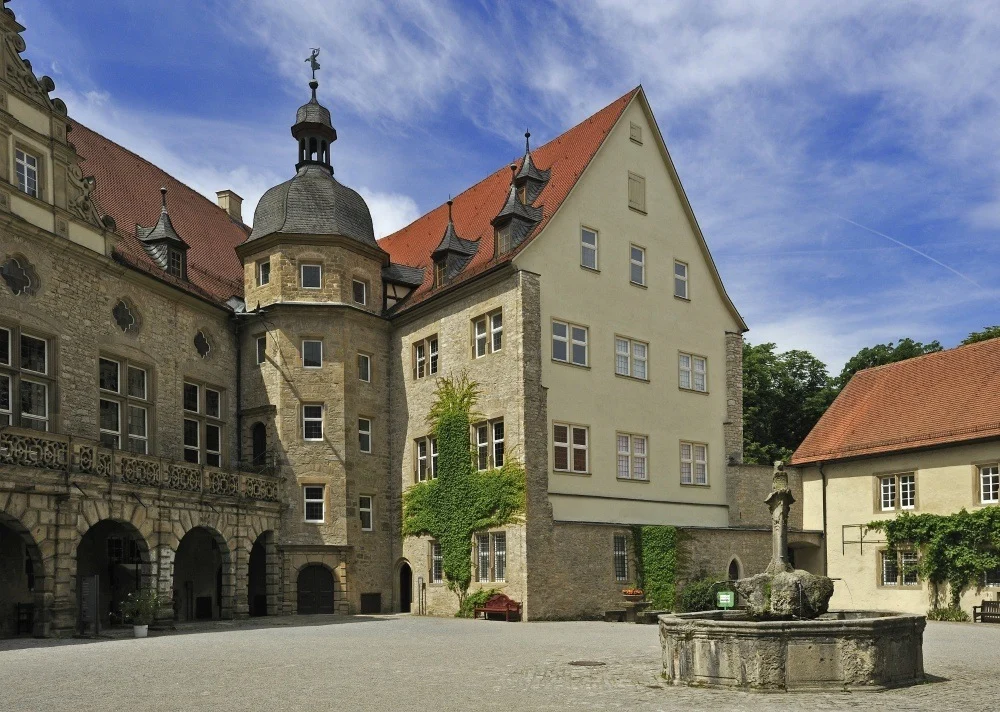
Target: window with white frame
366, 512
437, 563
27, 391
897, 491
637, 192
263, 272
124, 405
26, 167
311, 276
312, 353
571, 451
899, 568
425, 357
633, 457
637, 265
360, 291
588, 248
489, 444
314, 500
261, 349
365, 434
630, 357
989, 483
491, 557
621, 557
175, 262
569, 343
487, 333
694, 463
681, 280
426, 455
692, 372
203, 423
312, 421
364, 368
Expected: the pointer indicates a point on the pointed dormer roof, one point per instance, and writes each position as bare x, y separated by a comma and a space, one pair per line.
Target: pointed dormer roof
513, 208
452, 243
163, 230
528, 169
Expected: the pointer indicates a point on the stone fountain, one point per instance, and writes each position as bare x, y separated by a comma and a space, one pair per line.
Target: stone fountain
785, 638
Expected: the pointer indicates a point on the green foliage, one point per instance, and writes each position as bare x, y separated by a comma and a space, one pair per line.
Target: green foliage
656, 550
462, 500
881, 354
473, 601
956, 549
140, 608
948, 614
988, 332
699, 593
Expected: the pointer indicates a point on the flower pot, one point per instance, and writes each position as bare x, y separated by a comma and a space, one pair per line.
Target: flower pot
634, 596
140, 631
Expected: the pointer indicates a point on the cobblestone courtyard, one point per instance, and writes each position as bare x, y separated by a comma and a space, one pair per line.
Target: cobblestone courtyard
397, 663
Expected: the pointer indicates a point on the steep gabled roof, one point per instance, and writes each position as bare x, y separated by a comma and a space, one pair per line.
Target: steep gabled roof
128, 189
937, 399
565, 157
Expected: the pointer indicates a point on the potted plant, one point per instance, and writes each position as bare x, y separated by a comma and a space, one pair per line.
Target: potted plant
139, 609
633, 594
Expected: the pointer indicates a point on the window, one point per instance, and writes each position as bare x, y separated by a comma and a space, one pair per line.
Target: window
311, 276
487, 334
26, 389
570, 446
202, 424
488, 439
365, 510
124, 405
261, 349
312, 354
992, 577
312, 422
263, 272
989, 483
364, 368
425, 357
569, 343
907, 491
681, 280
522, 194
694, 463
632, 457
637, 265
637, 192
427, 459
437, 563
365, 434
503, 239
491, 557
175, 262
900, 568
360, 290
27, 173
588, 248
439, 272
630, 358
888, 493
315, 503
635, 132
621, 557
897, 492
692, 372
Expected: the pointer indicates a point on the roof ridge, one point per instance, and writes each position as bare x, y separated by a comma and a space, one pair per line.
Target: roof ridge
942, 352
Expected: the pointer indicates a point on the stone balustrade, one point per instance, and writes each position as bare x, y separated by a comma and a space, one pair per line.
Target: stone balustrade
64, 453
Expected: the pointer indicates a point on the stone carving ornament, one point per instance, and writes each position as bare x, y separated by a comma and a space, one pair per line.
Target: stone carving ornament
225, 483
126, 317
138, 471
20, 276
184, 478
202, 344
31, 451
81, 202
20, 74
261, 489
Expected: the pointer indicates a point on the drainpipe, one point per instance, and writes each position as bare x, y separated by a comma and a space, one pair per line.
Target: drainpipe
826, 536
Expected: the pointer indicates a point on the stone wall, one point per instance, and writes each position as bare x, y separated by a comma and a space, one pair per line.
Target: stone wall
747, 488
733, 426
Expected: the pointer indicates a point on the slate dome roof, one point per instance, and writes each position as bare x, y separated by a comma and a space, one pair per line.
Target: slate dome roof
312, 112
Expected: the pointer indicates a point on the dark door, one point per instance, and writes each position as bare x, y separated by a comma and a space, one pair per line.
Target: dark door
405, 588
315, 590
259, 437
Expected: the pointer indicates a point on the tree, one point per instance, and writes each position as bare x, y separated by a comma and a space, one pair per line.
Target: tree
988, 332
881, 354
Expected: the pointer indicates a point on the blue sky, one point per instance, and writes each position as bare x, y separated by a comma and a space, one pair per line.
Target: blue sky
812, 137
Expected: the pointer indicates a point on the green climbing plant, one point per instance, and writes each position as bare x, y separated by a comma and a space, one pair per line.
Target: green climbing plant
461, 501
955, 549
657, 563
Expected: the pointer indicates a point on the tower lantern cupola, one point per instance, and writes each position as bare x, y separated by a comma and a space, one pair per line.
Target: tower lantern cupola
313, 128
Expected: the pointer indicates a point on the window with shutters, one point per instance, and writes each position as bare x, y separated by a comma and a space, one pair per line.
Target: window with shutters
694, 463
570, 444
635, 132
125, 405
637, 192
630, 357
633, 457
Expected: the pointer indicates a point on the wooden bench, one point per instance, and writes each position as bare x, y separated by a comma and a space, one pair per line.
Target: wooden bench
988, 612
499, 603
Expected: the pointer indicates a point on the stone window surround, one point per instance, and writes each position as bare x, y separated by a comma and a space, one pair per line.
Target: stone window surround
977, 483
362, 431
370, 509
619, 557
20, 144
435, 562
14, 374
302, 353
490, 334
313, 419
633, 262
430, 358
365, 358
306, 500
263, 276
302, 268
490, 444
900, 580
365, 291
691, 371
596, 248
205, 421
126, 401
260, 345
896, 474
429, 458
493, 553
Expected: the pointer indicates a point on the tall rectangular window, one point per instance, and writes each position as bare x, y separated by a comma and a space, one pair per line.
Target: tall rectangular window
491, 557
312, 422
203, 423
503, 239
315, 503
124, 405
694, 463
488, 438
360, 291
365, 434
637, 265
426, 453
888, 493
989, 483
437, 563
425, 357
632, 457
681, 280
26, 388
483, 557
366, 511
364, 368
312, 354
570, 343
571, 451
897, 491
890, 569
27, 172
635, 132
621, 557
637, 192
692, 372
907, 491
588, 248
261, 349
630, 357
311, 276
263, 272
499, 556
487, 333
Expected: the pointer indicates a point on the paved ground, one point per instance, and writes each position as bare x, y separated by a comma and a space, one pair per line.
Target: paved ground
406, 663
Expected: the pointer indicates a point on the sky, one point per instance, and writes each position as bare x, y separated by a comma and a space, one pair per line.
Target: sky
842, 159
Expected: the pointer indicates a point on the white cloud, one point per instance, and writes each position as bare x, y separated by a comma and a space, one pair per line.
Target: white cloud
390, 211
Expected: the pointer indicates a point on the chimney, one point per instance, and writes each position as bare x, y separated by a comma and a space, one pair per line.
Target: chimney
232, 204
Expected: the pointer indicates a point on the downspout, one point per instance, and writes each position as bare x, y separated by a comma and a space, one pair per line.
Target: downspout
826, 536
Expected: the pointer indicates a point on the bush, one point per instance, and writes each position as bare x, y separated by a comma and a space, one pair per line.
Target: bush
656, 563
140, 608
699, 593
951, 613
473, 601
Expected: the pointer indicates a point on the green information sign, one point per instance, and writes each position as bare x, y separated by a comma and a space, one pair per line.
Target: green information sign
725, 599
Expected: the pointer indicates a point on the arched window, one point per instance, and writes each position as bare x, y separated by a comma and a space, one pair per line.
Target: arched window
734, 570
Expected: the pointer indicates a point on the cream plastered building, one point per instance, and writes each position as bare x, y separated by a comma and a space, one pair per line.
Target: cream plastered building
918, 436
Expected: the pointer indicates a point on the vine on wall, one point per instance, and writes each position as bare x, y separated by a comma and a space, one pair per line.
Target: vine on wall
657, 563
462, 501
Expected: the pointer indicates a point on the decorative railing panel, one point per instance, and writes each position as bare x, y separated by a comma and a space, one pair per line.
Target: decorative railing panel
137, 470
224, 483
33, 449
258, 488
94, 460
181, 477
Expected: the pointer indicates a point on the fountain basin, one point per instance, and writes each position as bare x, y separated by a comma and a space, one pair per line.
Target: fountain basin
840, 650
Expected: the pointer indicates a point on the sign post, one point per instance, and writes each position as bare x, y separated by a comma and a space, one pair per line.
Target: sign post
725, 599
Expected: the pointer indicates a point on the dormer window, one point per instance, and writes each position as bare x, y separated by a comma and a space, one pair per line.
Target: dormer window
503, 243
522, 193
27, 172
439, 272
175, 263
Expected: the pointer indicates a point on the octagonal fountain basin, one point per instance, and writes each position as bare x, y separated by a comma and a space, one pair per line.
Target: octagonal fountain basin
840, 650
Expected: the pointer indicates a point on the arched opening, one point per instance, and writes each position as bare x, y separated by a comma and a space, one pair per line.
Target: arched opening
405, 587
112, 561
22, 597
263, 561
199, 571
258, 444
313, 150
735, 570
315, 590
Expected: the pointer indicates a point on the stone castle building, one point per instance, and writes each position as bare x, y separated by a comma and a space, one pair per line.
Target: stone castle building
231, 414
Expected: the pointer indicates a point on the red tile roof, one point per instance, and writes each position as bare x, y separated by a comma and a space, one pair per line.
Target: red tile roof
566, 156
128, 189
936, 399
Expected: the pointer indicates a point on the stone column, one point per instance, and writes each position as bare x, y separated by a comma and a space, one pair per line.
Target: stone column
241, 556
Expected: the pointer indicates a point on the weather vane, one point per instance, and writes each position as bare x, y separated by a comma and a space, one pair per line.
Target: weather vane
313, 64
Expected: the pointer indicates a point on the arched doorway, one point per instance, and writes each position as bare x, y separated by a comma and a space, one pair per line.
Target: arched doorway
22, 597
258, 444
735, 570
405, 587
315, 590
112, 561
199, 569
262, 556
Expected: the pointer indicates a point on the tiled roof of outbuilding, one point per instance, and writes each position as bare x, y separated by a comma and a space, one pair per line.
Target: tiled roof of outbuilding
937, 399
